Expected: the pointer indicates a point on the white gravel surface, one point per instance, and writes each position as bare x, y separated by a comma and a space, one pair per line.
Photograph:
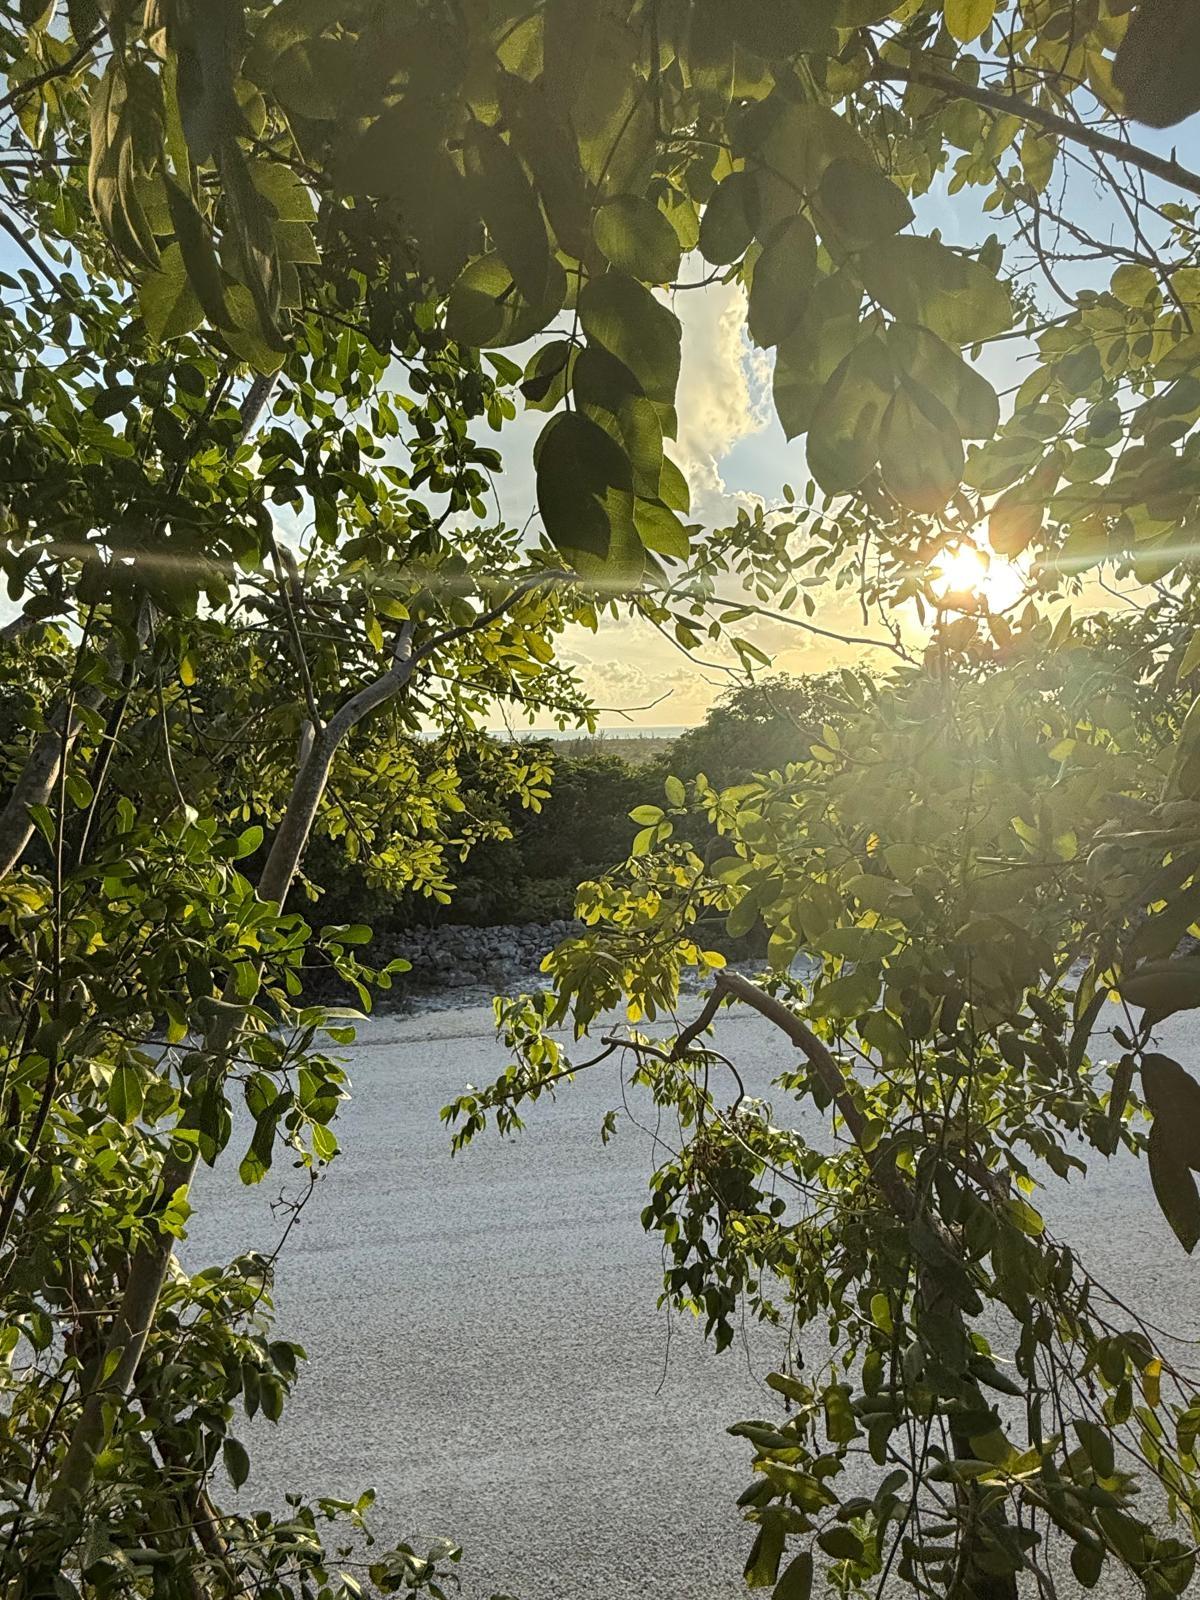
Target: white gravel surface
484, 1346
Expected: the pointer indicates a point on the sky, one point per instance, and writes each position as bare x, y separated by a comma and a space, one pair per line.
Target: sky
733, 451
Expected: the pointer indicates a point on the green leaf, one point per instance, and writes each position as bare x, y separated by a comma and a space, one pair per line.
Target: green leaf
808, 357
660, 529
125, 1094
585, 491
167, 300
546, 375
84, 16
673, 487
1015, 520
486, 310
236, 1459
592, 56
856, 204
199, 257
800, 141
510, 208
920, 449
1157, 66
728, 223
1191, 656
841, 1543
401, 157
623, 317
1163, 987
1087, 1563
245, 334
743, 917
1173, 1096
1097, 1443
606, 391
843, 439
797, 1580
783, 278
675, 791
284, 191
646, 816
967, 19
966, 394
780, 29
762, 1564
922, 280
636, 238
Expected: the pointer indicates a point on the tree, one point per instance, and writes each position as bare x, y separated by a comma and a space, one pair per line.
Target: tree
248, 534
542, 170
980, 857
324, 194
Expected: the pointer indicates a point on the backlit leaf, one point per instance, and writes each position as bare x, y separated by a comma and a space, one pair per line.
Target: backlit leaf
728, 223
920, 449
843, 440
856, 203
585, 490
783, 277
167, 300
967, 19
922, 280
637, 239
623, 317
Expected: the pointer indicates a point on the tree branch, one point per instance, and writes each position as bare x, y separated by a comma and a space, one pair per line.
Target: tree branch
62, 70
1164, 167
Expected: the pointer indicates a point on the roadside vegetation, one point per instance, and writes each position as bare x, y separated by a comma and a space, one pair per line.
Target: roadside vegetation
277, 277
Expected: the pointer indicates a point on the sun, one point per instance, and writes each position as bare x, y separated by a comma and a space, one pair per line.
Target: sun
966, 570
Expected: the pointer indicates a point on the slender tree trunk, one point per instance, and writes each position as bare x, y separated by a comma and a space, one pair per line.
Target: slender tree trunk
113, 1373
981, 1526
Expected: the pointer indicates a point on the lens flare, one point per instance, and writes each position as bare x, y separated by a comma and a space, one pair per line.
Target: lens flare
966, 571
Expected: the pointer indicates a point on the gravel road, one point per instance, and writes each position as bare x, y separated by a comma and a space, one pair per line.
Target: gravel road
484, 1346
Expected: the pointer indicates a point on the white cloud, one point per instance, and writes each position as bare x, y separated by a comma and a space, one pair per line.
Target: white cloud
724, 392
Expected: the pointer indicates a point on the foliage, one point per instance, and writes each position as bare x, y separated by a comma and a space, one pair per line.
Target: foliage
970, 866
275, 581
542, 172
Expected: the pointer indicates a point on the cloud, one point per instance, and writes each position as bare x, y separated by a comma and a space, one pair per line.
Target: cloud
724, 392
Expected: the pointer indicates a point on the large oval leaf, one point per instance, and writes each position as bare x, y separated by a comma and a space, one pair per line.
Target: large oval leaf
856, 204
966, 394
636, 238
920, 449
607, 392
1157, 68
923, 280
623, 317
585, 492
843, 441
783, 277
510, 208
729, 220
487, 310
808, 357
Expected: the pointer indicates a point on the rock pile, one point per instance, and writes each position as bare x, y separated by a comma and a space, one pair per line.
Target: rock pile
451, 959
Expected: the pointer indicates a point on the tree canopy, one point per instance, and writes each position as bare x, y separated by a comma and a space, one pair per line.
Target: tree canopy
263, 264
500, 173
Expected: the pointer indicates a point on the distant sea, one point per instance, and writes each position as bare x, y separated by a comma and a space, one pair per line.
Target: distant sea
619, 731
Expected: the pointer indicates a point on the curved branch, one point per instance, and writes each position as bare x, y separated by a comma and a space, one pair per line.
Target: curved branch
63, 70
1164, 167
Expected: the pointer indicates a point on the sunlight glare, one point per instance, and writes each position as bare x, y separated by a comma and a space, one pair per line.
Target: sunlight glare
969, 571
